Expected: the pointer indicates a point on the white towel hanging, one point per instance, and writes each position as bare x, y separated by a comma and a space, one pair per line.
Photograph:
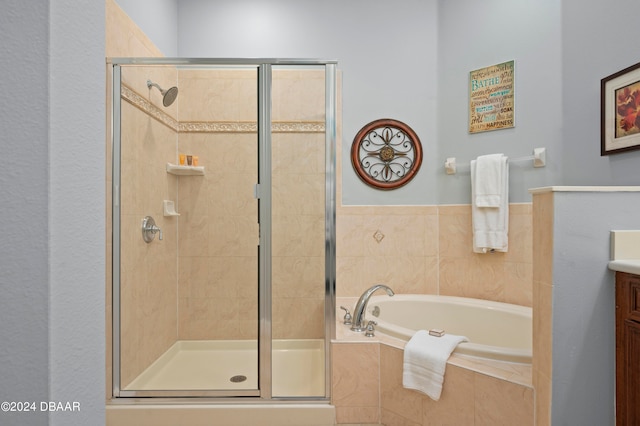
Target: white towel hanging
425, 361
490, 203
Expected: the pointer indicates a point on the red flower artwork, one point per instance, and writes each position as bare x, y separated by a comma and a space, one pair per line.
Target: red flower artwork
628, 110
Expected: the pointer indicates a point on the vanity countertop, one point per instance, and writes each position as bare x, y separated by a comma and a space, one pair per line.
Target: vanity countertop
630, 266
625, 252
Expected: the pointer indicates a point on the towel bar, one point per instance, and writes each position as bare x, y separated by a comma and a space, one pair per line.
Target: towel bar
539, 158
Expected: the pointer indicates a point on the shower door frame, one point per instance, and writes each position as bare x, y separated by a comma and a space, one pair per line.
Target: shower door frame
263, 194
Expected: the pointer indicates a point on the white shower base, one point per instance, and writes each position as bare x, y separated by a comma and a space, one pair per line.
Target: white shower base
298, 367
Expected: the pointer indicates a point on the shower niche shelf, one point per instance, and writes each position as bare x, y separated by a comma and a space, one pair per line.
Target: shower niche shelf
175, 169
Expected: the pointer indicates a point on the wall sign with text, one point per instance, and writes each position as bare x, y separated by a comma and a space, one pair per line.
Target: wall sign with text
491, 98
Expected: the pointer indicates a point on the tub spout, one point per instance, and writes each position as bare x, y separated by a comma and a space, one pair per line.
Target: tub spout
359, 323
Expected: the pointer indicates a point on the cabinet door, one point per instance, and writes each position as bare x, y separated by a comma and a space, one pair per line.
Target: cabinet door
632, 377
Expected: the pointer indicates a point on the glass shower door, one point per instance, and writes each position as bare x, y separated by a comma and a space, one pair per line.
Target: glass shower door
228, 291
298, 173
218, 243
187, 316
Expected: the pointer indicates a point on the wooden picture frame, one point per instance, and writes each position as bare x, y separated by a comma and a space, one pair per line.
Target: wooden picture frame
620, 111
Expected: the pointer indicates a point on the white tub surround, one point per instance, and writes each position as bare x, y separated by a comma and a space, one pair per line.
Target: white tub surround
495, 330
514, 372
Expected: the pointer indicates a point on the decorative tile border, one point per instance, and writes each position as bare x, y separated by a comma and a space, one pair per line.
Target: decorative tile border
147, 107
215, 126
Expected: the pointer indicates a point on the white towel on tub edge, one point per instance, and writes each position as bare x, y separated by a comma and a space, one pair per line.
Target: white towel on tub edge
425, 360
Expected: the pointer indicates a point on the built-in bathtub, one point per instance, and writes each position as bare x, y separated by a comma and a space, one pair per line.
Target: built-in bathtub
495, 330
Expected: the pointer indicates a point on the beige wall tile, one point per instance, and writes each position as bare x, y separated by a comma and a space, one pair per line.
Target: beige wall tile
232, 236
358, 415
520, 234
298, 235
543, 237
212, 95
392, 419
542, 400
208, 318
298, 318
349, 273
298, 153
301, 194
455, 237
431, 234
518, 287
350, 236
148, 271
298, 277
398, 402
123, 37
298, 94
404, 274
456, 403
355, 376
455, 276
498, 402
542, 304
403, 235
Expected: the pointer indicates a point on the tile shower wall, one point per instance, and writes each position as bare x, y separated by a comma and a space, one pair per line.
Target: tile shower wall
149, 328
148, 271
428, 249
217, 256
207, 292
218, 222
298, 204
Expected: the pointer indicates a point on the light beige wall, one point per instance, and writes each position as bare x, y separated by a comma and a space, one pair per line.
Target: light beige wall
428, 249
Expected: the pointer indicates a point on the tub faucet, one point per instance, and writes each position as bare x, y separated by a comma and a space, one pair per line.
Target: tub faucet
359, 324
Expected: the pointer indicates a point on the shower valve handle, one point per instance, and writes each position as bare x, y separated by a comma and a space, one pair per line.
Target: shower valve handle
149, 230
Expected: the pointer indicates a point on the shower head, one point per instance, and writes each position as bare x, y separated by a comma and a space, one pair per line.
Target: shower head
168, 96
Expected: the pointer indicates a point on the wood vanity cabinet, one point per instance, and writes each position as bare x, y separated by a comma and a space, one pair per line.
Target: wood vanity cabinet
627, 349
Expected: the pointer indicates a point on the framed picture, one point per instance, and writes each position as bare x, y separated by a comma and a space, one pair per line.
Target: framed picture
491, 98
620, 111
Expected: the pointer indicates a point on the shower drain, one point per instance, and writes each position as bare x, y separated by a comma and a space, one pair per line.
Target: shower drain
238, 379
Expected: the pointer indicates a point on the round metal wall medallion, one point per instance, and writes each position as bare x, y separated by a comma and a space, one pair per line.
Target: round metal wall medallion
386, 153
